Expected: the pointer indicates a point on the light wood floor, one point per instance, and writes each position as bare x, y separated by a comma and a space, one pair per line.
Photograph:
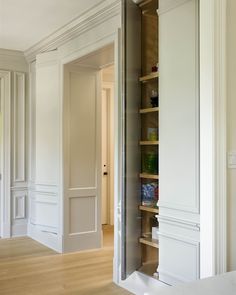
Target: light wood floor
27, 267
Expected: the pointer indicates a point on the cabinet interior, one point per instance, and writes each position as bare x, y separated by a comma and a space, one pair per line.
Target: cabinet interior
149, 176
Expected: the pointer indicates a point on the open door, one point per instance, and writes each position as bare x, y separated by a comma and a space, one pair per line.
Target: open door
82, 158
131, 223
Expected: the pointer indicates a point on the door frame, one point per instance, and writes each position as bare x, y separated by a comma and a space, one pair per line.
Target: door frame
213, 130
5, 193
109, 88
107, 40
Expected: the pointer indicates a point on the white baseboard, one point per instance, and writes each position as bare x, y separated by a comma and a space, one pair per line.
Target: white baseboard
50, 240
6, 231
140, 284
19, 230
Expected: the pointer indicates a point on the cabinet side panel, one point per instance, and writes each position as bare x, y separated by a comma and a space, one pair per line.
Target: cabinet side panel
131, 232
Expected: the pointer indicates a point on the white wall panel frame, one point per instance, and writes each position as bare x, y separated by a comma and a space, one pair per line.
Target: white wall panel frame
191, 264
19, 161
32, 121
180, 9
5, 96
19, 206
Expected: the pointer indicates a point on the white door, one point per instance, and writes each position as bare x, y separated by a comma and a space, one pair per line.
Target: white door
82, 159
105, 158
131, 221
179, 218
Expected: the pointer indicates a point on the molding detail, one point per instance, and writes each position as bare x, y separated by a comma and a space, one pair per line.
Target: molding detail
176, 278
220, 138
19, 207
5, 195
13, 53
19, 128
179, 222
85, 22
213, 132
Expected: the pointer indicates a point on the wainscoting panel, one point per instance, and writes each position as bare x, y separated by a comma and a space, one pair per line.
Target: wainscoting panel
181, 264
19, 128
19, 197
83, 215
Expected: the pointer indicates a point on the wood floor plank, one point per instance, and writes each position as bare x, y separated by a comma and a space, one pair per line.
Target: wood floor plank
29, 268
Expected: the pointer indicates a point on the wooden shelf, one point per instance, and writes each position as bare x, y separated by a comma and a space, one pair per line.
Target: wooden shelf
149, 142
148, 176
148, 110
149, 209
148, 77
144, 2
150, 242
150, 269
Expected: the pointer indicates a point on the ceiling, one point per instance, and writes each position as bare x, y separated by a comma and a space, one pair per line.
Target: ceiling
98, 59
23, 23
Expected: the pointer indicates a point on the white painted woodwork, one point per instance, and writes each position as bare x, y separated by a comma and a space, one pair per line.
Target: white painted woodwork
19, 163
54, 13
32, 122
102, 17
230, 252
82, 159
45, 144
179, 141
19, 206
19, 189
47, 118
13, 60
131, 221
13, 146
105, 157
5, 204
108, 87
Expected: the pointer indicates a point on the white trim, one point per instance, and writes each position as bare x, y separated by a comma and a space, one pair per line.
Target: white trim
11, 53
188, 224
213, 137
101, 12
220, 139
5, 96
51, 240
19, 106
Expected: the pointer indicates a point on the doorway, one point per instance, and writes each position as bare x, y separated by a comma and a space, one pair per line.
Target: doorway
107, 204
89, 151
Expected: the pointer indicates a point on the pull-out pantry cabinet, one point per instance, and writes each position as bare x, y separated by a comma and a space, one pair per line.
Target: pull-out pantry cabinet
160, 216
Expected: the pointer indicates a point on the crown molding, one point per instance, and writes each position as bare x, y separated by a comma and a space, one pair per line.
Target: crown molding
85, 22
9, 52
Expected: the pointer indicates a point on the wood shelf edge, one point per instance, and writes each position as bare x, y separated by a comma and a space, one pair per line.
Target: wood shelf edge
149, 242
149, 110
150, 76
149, 142
149, 176
149, 209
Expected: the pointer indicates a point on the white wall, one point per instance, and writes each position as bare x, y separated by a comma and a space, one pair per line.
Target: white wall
231, 109
15, 63
41, 192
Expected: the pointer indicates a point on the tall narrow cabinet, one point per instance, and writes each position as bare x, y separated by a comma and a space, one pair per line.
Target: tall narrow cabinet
160, 216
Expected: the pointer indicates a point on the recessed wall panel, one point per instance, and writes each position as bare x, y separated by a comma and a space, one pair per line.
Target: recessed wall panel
82, 215
82, 130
